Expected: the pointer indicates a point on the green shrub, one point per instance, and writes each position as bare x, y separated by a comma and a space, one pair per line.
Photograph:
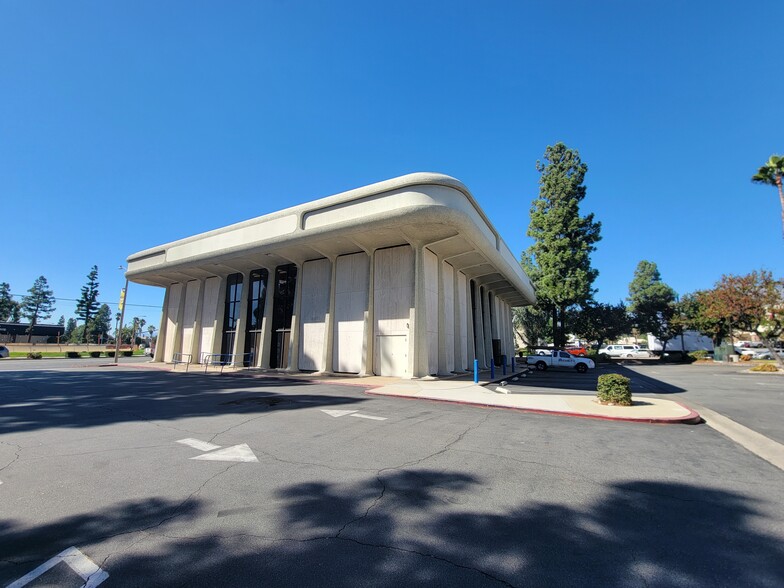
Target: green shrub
127, 353
95, 354
699, 354
110, 354
34, 355
614, 389
73, 354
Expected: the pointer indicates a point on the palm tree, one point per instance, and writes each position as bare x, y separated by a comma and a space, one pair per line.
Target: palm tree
771, 174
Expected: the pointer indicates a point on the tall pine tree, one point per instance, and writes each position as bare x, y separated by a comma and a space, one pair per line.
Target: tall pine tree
38, 304
7, 304
559, 261
87, 305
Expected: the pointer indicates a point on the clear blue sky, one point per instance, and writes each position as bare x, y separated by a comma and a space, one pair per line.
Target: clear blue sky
124, 125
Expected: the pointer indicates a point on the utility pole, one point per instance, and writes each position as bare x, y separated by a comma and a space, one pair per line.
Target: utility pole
121, 305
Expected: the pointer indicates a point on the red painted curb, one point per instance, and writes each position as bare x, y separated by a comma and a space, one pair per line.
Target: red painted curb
690, 419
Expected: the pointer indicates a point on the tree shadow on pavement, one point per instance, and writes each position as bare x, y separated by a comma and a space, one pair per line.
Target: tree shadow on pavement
42, 399
570, 382
434, 527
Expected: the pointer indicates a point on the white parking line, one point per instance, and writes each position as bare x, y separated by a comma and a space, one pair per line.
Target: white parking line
367, 416
76, 560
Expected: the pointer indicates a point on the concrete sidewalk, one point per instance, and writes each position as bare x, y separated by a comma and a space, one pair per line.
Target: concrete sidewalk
462, 390
647, 410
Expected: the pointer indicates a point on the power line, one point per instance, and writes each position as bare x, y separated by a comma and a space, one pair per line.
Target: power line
97, 301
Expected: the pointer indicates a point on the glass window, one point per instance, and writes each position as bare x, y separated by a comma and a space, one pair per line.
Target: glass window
231, 312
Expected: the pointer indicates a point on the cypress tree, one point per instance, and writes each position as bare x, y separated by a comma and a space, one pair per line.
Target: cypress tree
559, 261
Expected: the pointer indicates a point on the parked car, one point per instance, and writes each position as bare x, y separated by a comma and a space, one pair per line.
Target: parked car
622, 351
561, 359
578, 351
4, 351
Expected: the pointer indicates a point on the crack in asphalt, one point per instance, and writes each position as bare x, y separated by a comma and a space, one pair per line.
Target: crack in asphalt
16, 454
367, 510
227, 429
349, 540
446, 447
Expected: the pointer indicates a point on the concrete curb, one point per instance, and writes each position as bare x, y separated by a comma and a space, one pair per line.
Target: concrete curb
692, 418
757, 443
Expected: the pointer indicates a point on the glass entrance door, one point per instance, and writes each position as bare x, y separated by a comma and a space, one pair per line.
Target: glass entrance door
256, 298
282, 311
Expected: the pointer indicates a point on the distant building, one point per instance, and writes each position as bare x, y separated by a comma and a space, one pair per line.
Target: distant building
404, 278
18, 333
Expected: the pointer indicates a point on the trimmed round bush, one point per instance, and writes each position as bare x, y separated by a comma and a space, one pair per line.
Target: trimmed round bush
95, 354
614, 389
73, 354
764, 367
34, 355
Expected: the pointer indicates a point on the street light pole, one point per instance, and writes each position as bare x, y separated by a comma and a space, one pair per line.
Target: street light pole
118, 339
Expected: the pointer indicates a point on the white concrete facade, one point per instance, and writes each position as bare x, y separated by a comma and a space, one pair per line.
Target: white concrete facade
404, 278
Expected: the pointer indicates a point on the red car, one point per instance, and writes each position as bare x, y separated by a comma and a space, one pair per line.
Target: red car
578, 351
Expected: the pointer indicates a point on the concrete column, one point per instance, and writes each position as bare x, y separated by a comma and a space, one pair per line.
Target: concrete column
196, 339
329, 321
443, 369
487, 333
242, 320
369, 327
469, 318
458, 323
266, 323
177, 341
160, 342
217, 334
479, 339
419, 359
295, 324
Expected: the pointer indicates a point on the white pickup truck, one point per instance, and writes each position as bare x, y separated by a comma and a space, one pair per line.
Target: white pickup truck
560, 359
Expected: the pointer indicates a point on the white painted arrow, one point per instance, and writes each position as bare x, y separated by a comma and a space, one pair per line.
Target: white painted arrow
235, 453
200, 445
338, 413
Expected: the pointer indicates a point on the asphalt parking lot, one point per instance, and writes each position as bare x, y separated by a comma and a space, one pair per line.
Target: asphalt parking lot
756, 400
161, 478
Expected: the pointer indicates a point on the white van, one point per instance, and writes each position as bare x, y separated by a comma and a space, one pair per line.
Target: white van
623, 351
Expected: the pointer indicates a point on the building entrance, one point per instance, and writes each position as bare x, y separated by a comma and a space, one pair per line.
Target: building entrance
282, 311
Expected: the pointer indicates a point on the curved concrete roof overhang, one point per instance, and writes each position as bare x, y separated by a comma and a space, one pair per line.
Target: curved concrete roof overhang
427, 209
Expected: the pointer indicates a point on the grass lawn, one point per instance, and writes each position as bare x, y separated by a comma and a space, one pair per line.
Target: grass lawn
49, 354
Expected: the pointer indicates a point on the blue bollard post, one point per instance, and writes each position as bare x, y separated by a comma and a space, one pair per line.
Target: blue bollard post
492, 370
513, 369
503, 362
476, 371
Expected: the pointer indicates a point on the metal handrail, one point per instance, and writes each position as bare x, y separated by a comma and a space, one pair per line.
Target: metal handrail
181, 358
223, 359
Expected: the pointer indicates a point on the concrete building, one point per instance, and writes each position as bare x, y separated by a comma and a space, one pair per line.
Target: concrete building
405, 278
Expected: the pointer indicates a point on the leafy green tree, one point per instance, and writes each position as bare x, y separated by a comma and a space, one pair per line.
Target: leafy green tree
531, 325
38, 304
652, 304
87, 304
754, 302
7, 304
771, 174
695, 308
559, 260
600, 322
101, 324
70, 327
